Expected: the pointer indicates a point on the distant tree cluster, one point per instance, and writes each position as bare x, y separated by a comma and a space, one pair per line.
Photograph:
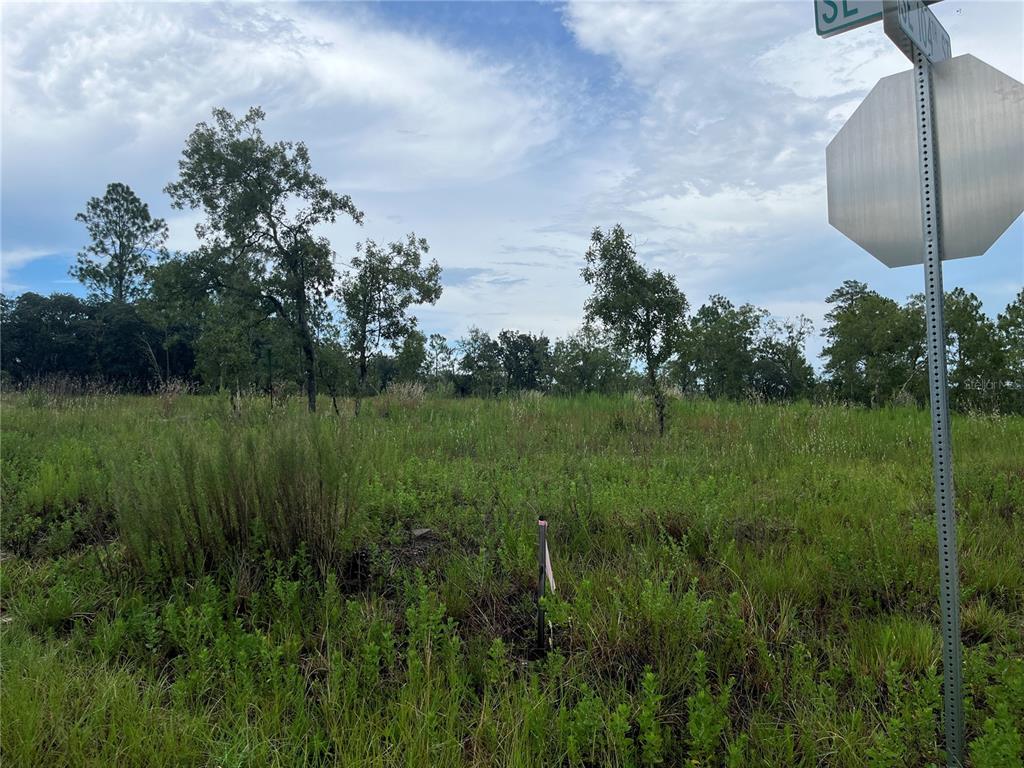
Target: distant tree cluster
255, 294
875, 352
115, 345
260, 305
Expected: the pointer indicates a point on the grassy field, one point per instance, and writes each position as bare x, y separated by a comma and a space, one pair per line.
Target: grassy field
187, 583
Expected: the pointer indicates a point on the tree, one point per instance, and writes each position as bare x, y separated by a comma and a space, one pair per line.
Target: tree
175, 305
334, 369
440, 358
483, 374
377, 293
974, 352
1010, 324
720, 346
227, 339
875, 350
412, 356
48, 335
125, 238
644, 312
262, 203
124, 348
232, 343
780, 368
526, 360
84, 341
584, 362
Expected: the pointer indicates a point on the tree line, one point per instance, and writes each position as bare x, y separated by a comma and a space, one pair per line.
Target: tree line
262, 305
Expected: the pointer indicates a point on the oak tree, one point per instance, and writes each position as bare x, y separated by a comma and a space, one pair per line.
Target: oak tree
643, 311
874, 350
383, 282
262, 203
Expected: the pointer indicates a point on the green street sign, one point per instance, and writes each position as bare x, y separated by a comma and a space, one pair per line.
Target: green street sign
834, 16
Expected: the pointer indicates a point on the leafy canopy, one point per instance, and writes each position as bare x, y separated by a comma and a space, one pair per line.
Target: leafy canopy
262, 202
644, 312
721, 344
875, 347
526, 360
383, 283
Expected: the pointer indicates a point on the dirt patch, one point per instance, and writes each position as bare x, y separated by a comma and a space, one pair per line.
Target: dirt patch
367, 565
417, 549
761, 532
510, 615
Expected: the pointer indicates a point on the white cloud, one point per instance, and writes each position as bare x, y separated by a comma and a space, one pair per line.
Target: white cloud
733, 212
813, 68
726, 150
724, 164
708, 120
851, 63
15, 258
646, 36
127, 79
404, 123
19, 257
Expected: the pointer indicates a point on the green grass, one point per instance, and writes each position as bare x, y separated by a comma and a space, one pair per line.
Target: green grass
185, 583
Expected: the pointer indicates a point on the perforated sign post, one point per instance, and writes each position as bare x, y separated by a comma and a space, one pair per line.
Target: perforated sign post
894, 209
935, 331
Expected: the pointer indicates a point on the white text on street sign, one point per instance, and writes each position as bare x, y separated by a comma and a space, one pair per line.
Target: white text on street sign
911, 23
834, 16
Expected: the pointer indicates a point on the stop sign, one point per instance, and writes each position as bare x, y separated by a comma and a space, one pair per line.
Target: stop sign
873, 174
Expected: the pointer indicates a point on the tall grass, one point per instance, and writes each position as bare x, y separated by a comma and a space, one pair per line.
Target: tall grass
757, 588
212, 491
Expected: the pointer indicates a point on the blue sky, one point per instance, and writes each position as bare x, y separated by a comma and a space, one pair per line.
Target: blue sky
501, 132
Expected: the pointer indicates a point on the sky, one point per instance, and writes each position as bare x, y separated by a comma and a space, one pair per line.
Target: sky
501, 132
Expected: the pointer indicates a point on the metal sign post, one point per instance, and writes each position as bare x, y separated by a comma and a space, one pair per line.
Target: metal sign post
914, 28
942, 453
873, 199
